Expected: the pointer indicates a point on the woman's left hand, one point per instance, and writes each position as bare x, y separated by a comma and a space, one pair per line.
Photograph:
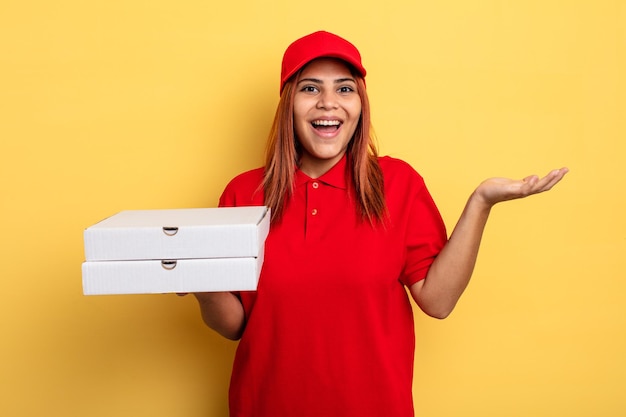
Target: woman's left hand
496, 190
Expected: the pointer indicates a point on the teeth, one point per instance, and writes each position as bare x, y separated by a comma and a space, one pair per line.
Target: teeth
326, 122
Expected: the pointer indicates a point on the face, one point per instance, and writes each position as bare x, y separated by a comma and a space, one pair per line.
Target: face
326, 111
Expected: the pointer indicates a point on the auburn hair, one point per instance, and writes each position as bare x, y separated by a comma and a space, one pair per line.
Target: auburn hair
283, 153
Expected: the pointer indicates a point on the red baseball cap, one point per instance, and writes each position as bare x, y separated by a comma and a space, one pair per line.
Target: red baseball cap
317, 45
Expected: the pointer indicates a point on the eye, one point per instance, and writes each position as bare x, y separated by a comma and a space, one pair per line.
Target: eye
345, 89
309, 89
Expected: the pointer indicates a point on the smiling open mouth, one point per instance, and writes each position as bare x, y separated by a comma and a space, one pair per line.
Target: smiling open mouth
326, 125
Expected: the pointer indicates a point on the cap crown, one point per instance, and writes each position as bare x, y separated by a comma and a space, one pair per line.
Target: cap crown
317, 45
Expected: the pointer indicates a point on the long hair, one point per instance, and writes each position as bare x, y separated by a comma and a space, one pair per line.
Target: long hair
282, 154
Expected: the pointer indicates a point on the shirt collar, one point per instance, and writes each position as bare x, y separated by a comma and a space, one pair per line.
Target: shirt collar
335, 177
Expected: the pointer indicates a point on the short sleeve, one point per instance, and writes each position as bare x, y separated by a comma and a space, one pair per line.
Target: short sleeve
425, 236
244, 190
413, 212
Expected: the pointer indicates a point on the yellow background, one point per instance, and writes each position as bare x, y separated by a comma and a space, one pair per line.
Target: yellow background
126, 104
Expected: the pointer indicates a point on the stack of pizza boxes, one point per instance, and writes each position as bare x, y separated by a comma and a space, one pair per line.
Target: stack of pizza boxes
176, 251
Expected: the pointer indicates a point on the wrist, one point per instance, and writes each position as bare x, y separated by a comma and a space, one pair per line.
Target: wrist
479, 202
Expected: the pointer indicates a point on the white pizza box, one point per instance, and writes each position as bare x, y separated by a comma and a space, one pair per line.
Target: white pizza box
225, 232
171, 276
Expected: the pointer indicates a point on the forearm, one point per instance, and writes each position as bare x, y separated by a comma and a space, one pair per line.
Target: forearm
223, 312
451, 271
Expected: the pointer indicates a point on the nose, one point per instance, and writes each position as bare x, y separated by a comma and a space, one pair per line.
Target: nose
327, 100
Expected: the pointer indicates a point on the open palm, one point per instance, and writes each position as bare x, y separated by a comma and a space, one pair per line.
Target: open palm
495, 190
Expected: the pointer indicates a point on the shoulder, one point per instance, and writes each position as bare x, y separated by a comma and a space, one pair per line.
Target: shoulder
408, 197
247, 178
396, 170
244, 189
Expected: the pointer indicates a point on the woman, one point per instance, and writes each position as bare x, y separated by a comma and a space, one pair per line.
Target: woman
329, 331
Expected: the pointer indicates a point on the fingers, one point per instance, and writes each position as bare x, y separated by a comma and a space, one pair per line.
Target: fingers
531, 180
553, 178
550, 180
495, 190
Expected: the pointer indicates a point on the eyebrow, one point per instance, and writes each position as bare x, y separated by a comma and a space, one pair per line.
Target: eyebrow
318, 81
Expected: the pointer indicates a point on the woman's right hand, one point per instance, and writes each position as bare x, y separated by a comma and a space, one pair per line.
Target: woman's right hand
222, 312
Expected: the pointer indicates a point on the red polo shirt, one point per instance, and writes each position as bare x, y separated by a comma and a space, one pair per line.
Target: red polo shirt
329, 330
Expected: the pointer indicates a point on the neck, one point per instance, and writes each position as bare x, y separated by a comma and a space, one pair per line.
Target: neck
315, 168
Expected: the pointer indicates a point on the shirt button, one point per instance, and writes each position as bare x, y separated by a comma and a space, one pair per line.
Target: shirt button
315, 185
313, 212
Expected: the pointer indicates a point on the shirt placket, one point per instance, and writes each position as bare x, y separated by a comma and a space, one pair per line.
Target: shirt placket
313, 200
